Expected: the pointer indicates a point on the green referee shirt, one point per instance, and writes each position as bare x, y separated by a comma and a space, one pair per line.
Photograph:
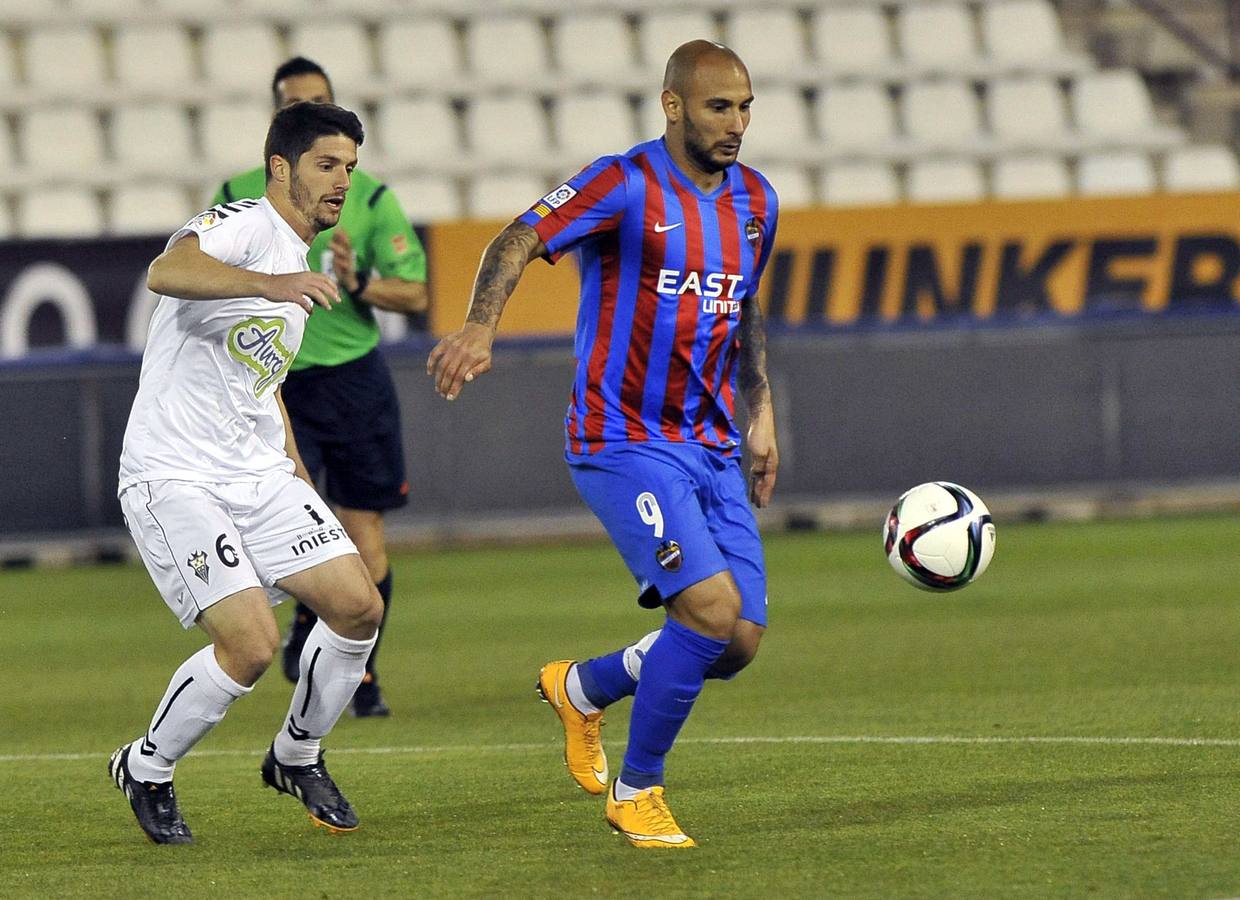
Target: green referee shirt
382, 240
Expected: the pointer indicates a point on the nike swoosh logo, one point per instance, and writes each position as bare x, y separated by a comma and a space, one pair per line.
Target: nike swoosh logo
659, 229
600, 777
661, 838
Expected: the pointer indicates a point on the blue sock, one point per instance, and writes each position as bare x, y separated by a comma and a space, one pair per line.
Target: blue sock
672, 675
604, 679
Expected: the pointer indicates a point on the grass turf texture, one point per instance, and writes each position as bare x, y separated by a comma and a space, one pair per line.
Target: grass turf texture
1114, 630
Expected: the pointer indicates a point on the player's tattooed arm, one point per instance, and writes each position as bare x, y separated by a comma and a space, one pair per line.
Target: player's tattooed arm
502, 265
751, 373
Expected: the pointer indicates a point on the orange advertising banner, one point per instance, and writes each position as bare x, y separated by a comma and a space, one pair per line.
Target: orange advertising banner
992, 260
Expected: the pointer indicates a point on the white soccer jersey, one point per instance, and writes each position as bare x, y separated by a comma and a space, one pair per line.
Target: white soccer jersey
205, 408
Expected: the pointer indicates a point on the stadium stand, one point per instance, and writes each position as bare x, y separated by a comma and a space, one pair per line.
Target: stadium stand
883, 91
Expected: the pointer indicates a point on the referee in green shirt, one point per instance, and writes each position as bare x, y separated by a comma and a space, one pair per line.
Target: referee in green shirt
339, 393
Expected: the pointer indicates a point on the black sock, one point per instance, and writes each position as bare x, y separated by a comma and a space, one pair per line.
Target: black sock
385, 591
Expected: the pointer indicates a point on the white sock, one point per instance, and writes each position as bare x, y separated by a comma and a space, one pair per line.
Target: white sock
576, 696
331, 669
624, 792
197, 697
634, 655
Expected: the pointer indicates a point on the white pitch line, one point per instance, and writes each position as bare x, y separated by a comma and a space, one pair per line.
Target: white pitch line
905, 740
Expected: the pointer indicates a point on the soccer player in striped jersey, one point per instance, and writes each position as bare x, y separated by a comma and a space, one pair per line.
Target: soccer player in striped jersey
671, 239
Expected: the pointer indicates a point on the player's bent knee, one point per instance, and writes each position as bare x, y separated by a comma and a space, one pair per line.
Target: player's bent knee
246, 658
357, 612
712, 607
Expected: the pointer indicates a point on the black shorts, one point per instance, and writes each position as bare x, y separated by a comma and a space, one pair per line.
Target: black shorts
347, 423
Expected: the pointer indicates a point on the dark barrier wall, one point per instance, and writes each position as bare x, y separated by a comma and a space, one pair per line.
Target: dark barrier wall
1142, 399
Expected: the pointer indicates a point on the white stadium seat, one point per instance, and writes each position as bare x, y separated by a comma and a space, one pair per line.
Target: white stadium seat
510, 130
66, 141
860, 183
65, 59
1022, 34
590, 125
659, 33
945, 181
240, 57
942, 115
419, 52
151, 57
341, 48
1030, 176
152, 138
1205, 167
856, 118
1114, 172
937, 37
770, 41
428, 198
8, 64
1028, 112
792, 183
594, 48
852, 40
506, 50
503, 195
232, 134
421, 130
651, 120
1112, 105
154, 209
60, 212
779, 127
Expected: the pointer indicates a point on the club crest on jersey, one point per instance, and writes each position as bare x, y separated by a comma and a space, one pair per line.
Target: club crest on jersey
198, 562
753, 231
256, 344
669, 556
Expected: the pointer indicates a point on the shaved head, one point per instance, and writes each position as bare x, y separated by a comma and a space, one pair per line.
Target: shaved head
706, 98
684, 64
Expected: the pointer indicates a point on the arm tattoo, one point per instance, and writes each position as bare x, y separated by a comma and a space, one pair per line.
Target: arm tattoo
752, 371
502, 264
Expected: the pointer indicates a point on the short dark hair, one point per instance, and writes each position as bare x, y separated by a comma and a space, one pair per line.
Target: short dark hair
295, 128
298, 65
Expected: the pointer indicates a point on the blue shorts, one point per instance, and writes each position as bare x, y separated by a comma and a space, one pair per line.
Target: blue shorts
347, 423
678, 514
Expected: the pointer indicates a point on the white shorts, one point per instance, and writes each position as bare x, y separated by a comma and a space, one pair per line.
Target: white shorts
204, 542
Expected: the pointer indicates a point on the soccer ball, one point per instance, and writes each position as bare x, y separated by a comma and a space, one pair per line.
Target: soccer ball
939, 536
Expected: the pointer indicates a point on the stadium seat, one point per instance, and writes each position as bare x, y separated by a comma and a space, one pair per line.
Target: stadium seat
60, 212
153, 58
770, 41
503, 195
793, 185
937, 37
153, 138
8, 64
1112, 172
506, 50
659, 33
510, 130
590, 125
945, 181
428, 198
595, 48
1028, 112
1030, 176
341, 47
1205, 167
149, 209
422, 131
1113, 107
1025, 35
65, 59
232, 134
853, 40
942, 115
62, 141
860, 183
240, 57
419, 52
779, 128
856, 118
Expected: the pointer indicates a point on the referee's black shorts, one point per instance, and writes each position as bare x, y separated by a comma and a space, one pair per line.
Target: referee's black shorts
347, 423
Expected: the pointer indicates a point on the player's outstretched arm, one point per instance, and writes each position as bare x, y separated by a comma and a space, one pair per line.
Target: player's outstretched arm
751, 375
185, 271
465, 354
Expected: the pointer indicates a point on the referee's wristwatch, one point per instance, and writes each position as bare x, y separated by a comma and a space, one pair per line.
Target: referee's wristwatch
363, 281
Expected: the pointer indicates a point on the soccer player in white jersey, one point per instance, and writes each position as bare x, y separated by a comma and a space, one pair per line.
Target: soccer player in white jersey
214, 493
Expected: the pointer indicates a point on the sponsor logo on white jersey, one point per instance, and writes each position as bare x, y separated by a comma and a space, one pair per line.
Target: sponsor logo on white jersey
256, 344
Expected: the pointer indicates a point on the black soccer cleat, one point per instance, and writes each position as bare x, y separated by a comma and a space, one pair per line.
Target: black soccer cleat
368, 701
314, 788
154, 803
298, 630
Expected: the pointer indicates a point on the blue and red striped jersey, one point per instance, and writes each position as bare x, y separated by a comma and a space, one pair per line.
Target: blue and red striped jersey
664, 270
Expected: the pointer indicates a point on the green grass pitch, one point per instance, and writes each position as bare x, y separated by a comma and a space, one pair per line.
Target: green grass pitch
886, 743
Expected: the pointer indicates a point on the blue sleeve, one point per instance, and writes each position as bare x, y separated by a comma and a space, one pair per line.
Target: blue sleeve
590, 203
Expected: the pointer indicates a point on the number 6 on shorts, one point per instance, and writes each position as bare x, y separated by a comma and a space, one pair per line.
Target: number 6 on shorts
648, 509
